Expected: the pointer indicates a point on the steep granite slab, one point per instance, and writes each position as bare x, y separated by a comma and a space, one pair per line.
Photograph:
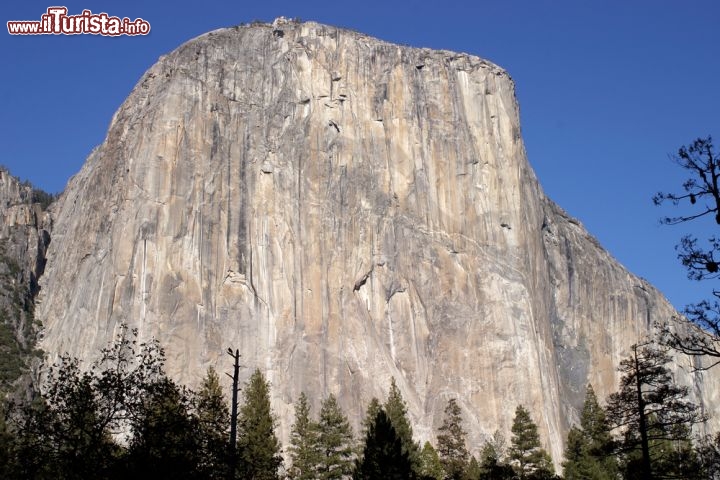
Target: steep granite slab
342, 210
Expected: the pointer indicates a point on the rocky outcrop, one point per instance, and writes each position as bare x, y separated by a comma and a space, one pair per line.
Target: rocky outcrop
343, 211
24, 238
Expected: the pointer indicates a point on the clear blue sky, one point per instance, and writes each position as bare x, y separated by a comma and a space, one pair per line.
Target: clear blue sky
607, 90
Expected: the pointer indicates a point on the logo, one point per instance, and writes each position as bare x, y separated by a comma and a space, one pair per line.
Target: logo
56, 21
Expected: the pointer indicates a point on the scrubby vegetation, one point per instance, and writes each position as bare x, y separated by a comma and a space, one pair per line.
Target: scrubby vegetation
17, 322
29, 193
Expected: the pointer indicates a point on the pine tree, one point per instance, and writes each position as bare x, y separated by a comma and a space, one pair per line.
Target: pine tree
373, 409
578, 464
258, 446
430, 466
473, 471
492, 466
397, 412
213, 418
651, 411
589, 450
383, 455
368, 422
526, 455
304, 448
335, 440
451, 442
164, 443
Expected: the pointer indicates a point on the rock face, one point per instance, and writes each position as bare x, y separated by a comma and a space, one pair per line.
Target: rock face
24, 238
343, 211
24, 227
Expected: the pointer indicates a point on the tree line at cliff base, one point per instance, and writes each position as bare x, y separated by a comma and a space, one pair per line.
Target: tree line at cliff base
123, 417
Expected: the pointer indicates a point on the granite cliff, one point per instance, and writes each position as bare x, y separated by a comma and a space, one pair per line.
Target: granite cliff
342, 210
24, 238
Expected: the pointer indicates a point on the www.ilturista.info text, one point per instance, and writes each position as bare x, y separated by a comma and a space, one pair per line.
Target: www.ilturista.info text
56, 21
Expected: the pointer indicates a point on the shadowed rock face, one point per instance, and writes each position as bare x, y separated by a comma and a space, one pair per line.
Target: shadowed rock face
24, 238
342, 210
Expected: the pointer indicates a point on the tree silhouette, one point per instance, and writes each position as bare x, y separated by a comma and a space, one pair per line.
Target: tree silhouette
67, 430
701, 191
383, 454
650, 410
396, 410
164, 442
373, 409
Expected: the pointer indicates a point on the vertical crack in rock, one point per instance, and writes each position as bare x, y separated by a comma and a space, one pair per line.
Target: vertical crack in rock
242, 209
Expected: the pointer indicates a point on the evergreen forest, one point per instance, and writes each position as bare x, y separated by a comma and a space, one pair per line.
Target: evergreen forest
123, 417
